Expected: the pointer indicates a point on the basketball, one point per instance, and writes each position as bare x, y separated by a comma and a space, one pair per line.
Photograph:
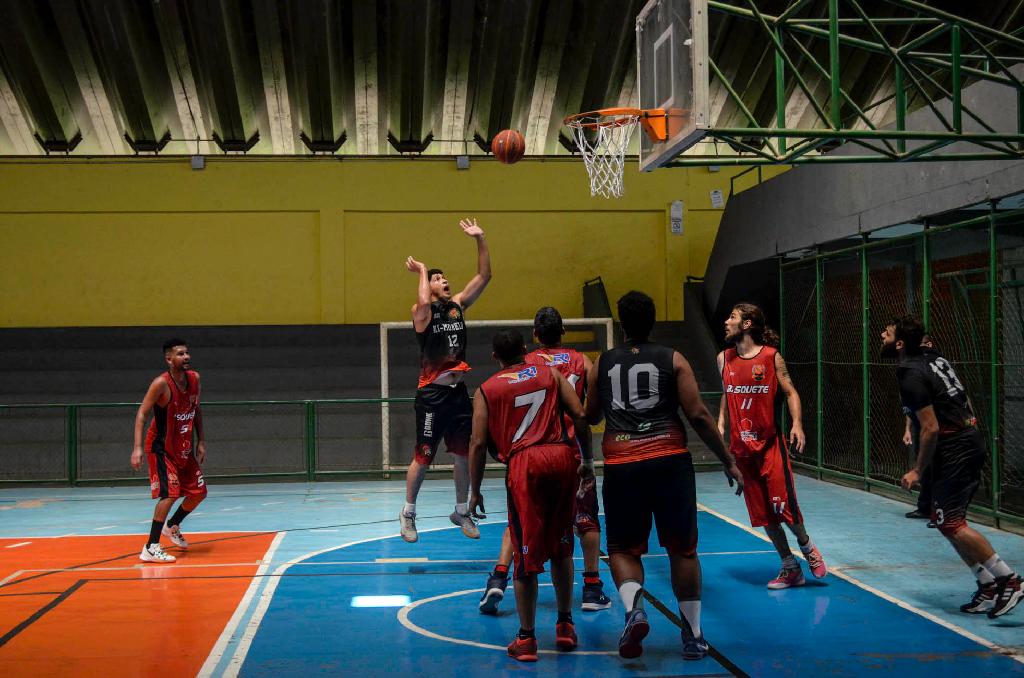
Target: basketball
508, 146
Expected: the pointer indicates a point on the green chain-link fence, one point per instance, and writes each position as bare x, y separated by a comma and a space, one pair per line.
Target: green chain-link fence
966, 280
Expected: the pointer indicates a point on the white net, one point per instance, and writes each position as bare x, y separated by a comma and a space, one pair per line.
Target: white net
602, 141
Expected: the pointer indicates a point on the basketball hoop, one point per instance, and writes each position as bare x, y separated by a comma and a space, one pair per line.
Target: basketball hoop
603, 137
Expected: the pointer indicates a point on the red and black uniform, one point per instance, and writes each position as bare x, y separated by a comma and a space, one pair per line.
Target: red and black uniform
751, 391
526, 430
929, 379
443, 408
573, 366
648, 472
173, 469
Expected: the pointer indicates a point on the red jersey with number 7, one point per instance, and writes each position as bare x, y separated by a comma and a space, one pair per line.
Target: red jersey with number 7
750, 388
523, 410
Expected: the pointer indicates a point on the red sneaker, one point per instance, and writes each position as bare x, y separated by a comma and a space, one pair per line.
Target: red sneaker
565, 636
787, 578
523, 649
816, 563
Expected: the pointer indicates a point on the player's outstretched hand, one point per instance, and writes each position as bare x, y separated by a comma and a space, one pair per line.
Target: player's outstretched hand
733, 475
797, 439
587, 480
910, 478
470, 228
137, 458
413, 265
476, 501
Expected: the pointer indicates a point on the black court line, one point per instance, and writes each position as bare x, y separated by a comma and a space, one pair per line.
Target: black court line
10, 635
248, 535
715, 654
36, 593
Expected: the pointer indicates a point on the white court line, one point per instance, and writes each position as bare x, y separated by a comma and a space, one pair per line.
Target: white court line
885, 596
271, 503
105, 527
22, 543
403, 619
10, 577
222, 642
233, 508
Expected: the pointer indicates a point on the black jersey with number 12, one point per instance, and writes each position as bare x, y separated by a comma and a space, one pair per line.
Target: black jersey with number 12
442, 343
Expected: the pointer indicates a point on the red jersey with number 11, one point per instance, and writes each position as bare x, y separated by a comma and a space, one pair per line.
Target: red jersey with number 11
523, 410
750, 389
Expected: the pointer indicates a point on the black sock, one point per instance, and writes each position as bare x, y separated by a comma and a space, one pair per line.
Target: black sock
564, 617
591, 578
524, 634
178, 516
154, 532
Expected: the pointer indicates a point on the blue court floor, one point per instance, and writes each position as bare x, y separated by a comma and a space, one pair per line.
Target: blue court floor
338, 593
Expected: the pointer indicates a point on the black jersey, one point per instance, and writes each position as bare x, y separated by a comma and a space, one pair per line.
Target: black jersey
929, 379
637, 386
443, 342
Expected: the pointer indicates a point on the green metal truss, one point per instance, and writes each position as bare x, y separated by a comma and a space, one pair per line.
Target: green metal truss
931, 61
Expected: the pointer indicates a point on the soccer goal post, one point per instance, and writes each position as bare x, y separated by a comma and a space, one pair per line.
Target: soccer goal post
400, 362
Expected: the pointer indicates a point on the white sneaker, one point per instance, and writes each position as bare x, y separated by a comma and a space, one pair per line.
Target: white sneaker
465, 521
174, 534
154, 554
408, 525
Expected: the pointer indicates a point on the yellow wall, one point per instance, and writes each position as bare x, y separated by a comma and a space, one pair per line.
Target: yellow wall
284, 241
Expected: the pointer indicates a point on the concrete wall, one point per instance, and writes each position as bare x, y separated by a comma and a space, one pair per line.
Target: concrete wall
815, 204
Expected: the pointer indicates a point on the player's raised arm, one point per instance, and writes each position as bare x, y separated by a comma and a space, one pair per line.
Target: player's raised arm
421, 309
475, 287
796, 430
477, 452
158, 392
700, 419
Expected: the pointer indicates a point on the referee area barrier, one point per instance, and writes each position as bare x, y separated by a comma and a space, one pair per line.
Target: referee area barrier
965, 280
305, 440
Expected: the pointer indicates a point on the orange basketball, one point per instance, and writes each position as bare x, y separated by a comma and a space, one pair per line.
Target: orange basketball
508, 146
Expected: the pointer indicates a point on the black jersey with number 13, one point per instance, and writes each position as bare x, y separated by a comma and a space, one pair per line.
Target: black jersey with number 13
929, 379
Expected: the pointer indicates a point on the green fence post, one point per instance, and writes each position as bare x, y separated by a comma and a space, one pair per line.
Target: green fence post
310, 440
819, 437
993, 328
865, 319
782, 333
71, 429
926, 275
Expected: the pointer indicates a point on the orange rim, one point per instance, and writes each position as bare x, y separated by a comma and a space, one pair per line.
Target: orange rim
653, 120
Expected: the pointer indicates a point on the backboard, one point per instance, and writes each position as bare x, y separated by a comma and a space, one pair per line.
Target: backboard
672, 72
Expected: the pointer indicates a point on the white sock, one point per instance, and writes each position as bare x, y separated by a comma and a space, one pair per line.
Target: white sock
628, 591
997, 567
410, 509
983, 576
690, 609
789, 562
462, 509
807, 548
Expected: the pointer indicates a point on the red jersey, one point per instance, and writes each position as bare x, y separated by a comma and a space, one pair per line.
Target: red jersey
573, 367
750, 390
523, 410
170, 432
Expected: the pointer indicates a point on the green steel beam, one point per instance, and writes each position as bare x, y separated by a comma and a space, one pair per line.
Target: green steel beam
732, 92
843, 134
925, 37
833, 60
780, 95
958, 123
788, 13
729, 161
928, 10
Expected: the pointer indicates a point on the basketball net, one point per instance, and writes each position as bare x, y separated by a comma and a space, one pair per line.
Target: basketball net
602, 141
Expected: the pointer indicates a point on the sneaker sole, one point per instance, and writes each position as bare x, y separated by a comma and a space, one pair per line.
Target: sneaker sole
694, 656
489, 605
993, 614
566, 644
157, 560
524, 657
779, 587
633, 648
595, 607
978, 610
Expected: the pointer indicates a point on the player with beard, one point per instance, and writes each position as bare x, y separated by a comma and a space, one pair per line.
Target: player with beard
952, 446
753, 374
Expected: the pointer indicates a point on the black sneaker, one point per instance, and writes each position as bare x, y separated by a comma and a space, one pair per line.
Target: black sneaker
694, 648
917, 513
982, 601
493, 593
1008, 594
594, 598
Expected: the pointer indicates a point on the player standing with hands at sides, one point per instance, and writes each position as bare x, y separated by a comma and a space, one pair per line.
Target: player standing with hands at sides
638, 389
518, 412
443, 409
753, 372
173, 398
